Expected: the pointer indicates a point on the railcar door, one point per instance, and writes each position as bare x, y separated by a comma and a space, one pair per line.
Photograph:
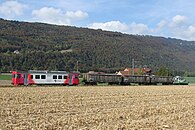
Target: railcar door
49, 79
70, 79
25, 75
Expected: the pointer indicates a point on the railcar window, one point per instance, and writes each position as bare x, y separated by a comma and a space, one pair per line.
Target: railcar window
59, 76
31, 76
43, 76
37, 76
65, 77
14, 76
54, 76
18, 76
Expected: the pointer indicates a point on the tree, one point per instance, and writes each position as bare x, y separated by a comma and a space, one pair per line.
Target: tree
163, 72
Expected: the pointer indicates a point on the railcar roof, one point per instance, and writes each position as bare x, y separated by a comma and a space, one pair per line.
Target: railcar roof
46, 72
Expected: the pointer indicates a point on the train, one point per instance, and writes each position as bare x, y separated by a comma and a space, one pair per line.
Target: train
38, 77
95, 78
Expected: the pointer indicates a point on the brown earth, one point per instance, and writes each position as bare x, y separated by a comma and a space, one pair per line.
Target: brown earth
117, 107
5, 83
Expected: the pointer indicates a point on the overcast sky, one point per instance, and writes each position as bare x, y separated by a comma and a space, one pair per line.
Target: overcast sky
168, 18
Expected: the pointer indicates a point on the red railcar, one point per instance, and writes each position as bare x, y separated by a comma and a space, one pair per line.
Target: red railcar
44, 78
18, 78
72, 79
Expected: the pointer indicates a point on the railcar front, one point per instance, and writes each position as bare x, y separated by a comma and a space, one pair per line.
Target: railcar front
17, 78
72, 79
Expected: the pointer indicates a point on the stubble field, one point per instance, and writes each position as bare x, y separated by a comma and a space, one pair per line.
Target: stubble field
135, 107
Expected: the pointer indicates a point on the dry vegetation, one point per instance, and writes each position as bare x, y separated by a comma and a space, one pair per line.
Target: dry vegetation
149, 107
5, 83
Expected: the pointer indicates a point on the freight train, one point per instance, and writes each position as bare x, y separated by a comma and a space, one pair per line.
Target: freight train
44, 78
94, 78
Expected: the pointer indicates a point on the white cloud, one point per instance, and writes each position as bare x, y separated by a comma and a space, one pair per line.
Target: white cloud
161, 24
139, 28
178, 20
110, 26
177, 27
133, 28
57, 16
191, 29
12, 8
78, 15
188, 34
50, 15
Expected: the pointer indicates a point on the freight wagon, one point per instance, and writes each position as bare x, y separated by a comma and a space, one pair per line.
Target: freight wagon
94, 78
44, 78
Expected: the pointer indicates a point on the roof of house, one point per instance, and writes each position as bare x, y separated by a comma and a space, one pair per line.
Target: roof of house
128, 71
123, 73
136, 70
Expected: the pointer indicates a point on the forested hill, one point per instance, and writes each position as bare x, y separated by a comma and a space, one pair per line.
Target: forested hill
51, 47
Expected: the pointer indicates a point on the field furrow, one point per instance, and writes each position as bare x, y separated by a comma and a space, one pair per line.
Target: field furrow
129, 107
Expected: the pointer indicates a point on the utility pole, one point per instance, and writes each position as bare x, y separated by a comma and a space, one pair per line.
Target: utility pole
77, 66
133, 66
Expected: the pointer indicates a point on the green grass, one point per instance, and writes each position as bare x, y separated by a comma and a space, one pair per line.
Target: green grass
5, 77
191, 80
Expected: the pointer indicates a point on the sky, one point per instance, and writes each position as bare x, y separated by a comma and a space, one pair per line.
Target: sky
167, 18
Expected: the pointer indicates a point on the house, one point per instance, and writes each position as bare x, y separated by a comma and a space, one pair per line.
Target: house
16, 52
136, 71
122, 73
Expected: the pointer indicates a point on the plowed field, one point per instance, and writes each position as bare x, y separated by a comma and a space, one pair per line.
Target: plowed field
135, 107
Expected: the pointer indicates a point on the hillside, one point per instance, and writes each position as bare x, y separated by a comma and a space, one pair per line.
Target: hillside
52, 47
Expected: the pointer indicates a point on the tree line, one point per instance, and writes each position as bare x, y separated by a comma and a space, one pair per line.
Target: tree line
52, 47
